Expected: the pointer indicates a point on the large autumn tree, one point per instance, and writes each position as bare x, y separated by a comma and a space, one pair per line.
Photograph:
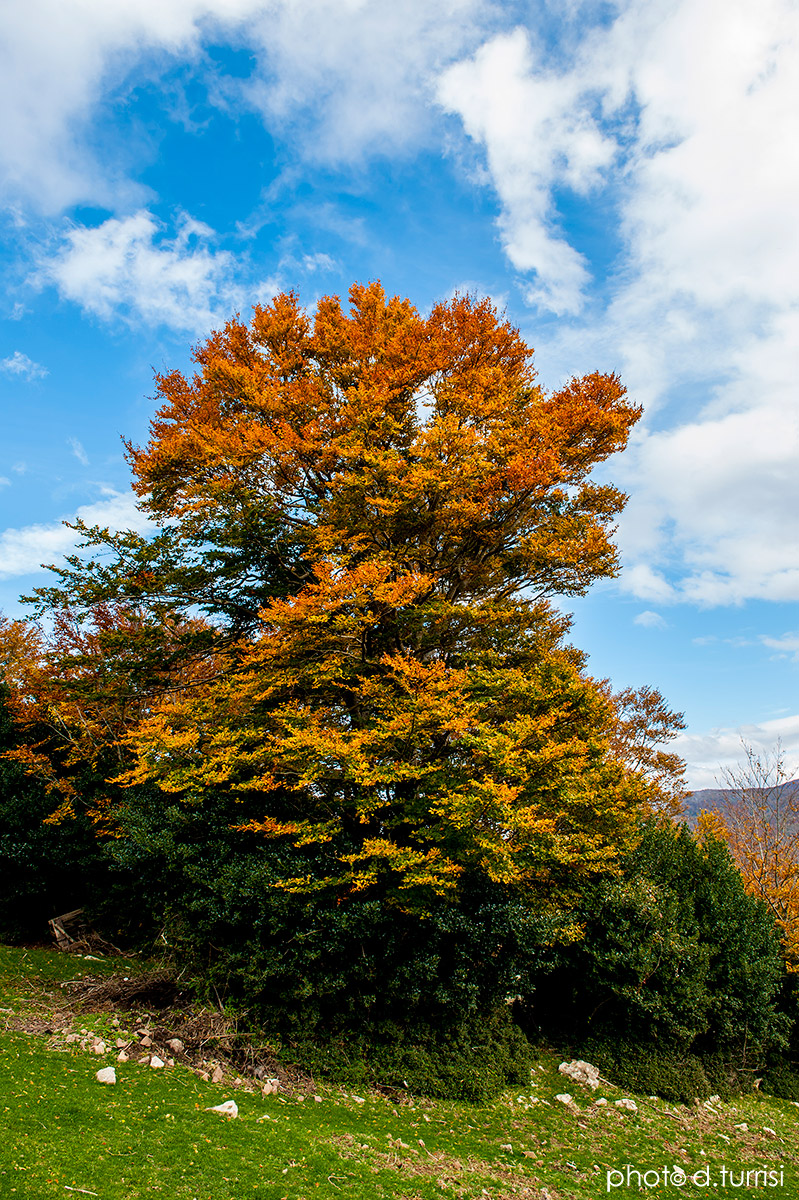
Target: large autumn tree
372, 509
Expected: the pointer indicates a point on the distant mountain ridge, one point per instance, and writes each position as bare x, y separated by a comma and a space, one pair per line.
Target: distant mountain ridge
711, 798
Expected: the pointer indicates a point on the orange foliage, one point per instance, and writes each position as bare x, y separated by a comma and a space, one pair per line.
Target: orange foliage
758, 817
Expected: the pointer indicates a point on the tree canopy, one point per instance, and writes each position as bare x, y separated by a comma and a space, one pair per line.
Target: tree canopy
361, 518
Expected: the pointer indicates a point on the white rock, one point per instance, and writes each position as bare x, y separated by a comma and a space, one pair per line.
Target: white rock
629, 1104
176, 1045
106, 1075
121, 1044
564, 1098
146, 1040
581, 1072
744, 1127
156, 1062
98, 1047
504, 1146
269, 1088
228, 1109
218, 1075
123, 1057
600, 1101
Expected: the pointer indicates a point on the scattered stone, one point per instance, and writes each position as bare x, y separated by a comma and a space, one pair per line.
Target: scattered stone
106, 1075
99, 1047
270, 1087
581, 1072
156, 1062
507, 1146
176, 1045
600, 1101
714, 1099
564, 1098
769, 1131
146, 1040
744, 1128
628, 1104
73, 1037
115, 1022
170, 1062
204, 1075
238, 1081
121, 1044
357, 1099
218, 1075
318, 1099
123, 1057
229, 1108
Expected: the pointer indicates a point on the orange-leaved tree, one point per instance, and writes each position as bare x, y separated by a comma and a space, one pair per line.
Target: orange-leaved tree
373, 507
757, 813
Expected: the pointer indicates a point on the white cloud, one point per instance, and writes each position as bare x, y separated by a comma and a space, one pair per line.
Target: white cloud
357, 76
650, 620
786, 646
709, 754
687, 108
19, 364
77, 449
58, 58
4, 481
128, 266
345, 75
22, 551
538, 132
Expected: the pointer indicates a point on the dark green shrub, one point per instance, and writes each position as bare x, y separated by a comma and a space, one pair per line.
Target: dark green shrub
650, 1070
678, 960
472, 1061
781, 1079
362, 990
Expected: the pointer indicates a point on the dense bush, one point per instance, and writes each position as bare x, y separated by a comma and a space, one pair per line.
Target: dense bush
472, 1059
365, 990
678, 961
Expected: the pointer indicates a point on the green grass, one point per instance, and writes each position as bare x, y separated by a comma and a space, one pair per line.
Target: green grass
66, 1135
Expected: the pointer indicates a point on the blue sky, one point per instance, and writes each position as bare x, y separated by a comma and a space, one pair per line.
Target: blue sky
622, 178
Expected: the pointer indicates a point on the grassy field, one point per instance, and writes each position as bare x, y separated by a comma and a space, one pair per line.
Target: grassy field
66, 1135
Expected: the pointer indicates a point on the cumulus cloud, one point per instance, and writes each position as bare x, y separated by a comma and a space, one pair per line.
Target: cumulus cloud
538, 132
352, 77
58, 58
684, 109
19, 364
650, 620
347, 76
24, 550
129, 266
